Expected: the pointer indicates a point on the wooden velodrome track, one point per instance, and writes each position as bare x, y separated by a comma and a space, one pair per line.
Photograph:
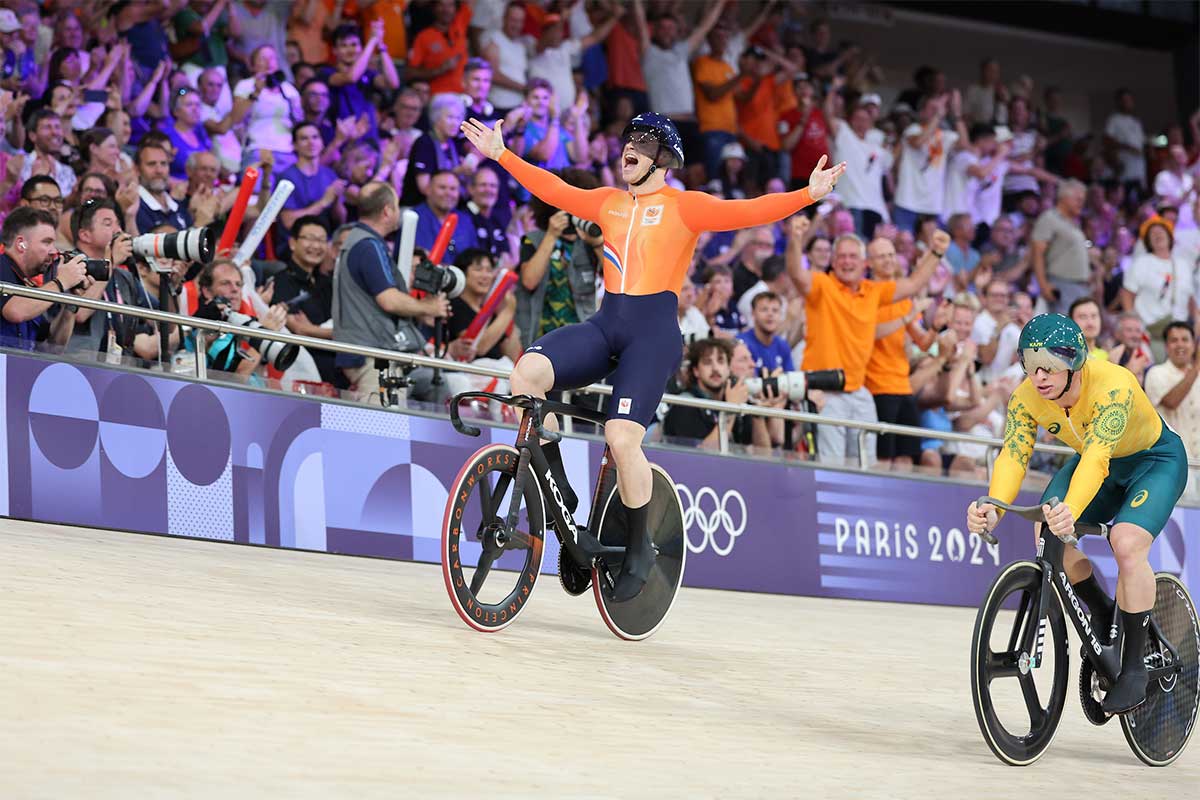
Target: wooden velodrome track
141, 666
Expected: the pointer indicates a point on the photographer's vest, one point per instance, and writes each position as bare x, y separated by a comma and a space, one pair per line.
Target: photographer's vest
357, 318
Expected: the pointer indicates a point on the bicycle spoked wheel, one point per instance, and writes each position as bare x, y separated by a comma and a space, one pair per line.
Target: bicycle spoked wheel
640, 617
1018, 707
490, 570
1159, 729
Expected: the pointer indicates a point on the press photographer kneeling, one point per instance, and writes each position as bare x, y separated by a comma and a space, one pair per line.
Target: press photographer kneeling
221, 298
28, 236
371, 304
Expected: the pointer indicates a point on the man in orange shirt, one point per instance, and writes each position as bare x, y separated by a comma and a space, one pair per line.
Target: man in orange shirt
716, 81
439, 53
887, 371
758, 109
841, 310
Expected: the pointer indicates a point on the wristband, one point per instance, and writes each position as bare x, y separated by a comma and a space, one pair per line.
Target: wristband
936, 253
62, 289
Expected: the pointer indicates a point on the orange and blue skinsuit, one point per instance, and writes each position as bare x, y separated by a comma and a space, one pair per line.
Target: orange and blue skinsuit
649, 241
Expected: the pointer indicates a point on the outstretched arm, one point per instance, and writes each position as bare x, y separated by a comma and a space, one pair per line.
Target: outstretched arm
553, 190
704, 212
549, 188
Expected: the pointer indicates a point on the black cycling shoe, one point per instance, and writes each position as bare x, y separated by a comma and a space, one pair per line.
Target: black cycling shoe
635, 568
1128, 693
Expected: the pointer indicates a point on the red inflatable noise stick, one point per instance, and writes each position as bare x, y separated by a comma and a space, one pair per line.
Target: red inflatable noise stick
237, 212
442, 242
503, 286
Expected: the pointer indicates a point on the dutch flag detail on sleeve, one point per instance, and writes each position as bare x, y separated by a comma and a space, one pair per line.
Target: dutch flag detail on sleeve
610, 255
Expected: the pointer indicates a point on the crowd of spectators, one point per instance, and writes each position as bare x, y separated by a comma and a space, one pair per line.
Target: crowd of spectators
969, 203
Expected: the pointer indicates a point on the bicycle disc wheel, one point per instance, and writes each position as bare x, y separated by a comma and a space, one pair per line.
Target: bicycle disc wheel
1016, 723
490, 571
640, 617
1159, 729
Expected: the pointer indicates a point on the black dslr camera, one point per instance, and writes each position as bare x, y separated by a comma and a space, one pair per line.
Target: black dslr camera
437, 278
98, 269
275, 79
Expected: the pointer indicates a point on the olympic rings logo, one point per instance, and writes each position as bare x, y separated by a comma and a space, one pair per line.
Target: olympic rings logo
727, 513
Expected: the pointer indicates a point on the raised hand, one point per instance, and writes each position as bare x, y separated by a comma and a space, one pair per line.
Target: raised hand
939, 241
488, 141
822, 180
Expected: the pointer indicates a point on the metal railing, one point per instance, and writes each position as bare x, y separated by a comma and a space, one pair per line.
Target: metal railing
203, 326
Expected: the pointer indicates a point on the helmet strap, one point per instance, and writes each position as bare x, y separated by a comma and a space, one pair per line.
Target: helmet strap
1067, 388
653, 167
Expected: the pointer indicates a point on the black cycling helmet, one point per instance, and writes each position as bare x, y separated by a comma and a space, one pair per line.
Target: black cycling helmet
664, 131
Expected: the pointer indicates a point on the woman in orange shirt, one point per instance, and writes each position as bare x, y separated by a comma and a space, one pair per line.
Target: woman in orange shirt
650, 234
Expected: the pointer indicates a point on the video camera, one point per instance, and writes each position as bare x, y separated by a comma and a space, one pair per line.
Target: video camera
795, 385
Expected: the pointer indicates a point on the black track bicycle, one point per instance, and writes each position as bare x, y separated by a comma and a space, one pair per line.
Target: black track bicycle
1019, 681
504, 498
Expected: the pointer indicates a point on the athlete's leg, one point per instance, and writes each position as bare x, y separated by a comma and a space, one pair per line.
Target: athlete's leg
1135, 580
566, 358
1135, 599
650, 351
624, 439
534, 375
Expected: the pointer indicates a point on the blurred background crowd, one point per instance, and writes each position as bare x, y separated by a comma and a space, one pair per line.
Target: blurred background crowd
127, 118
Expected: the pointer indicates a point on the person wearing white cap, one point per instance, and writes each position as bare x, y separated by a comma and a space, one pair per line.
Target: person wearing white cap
732, 172
867, 161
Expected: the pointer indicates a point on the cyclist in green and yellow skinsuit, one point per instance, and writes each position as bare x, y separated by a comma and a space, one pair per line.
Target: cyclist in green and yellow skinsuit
1129, 468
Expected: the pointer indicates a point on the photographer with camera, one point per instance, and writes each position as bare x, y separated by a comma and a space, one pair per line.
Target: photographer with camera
28, 236
275, 104
96, 230
219, 296
709, 378
558, 265
371, 304
441, 199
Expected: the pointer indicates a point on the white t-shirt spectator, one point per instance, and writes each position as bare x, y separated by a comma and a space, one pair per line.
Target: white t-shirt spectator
1161, 287
988, 194
1184, 419
1023, 144
1187, 250
513, 58
958, 182
554, 65
1006, 348
669, 79
269, 124
1127, 129
922, 181
861, 185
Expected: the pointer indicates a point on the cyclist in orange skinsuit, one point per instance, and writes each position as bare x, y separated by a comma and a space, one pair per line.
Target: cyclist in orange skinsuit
650, 235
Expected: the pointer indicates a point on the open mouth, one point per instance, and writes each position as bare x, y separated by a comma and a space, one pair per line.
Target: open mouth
630, 160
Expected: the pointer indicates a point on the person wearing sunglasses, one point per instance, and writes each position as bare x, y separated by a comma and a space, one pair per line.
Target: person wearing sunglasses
1129, 467
650, 233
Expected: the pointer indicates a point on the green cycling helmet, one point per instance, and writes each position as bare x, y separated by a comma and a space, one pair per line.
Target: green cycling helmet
1052, 342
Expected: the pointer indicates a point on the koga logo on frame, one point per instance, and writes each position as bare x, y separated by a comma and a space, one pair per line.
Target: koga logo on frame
720, 524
